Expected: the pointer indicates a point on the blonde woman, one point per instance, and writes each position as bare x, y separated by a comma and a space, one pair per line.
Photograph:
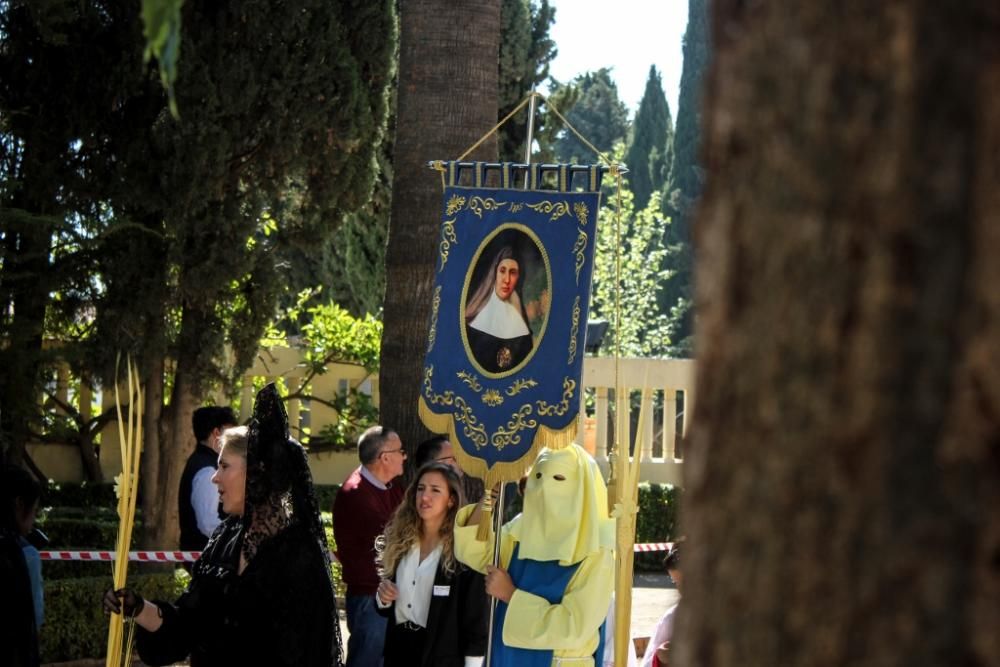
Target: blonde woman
261, 592
437, 608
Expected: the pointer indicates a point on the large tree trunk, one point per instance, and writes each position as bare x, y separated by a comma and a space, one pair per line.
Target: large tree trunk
153, 509
447, 99
843, 478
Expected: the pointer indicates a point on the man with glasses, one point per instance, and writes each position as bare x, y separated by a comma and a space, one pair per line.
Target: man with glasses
436, 449
361, 509
439, 449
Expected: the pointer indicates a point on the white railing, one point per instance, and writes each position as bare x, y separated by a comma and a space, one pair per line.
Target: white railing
665, 417
665, 410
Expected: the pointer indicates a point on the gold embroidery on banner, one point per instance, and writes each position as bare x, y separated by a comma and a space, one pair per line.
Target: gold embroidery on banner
448, 239
520, 385
455, 204
479, 204
511, 435
492, 398
435, 304
471, 380
581, 212
579, 249
555, 209
516, 206
559, 409
472, 429
573, 331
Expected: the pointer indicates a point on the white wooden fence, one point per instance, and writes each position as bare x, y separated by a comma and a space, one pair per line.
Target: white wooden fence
665, 416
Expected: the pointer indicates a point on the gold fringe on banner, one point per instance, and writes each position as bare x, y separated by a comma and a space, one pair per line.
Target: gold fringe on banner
500, 472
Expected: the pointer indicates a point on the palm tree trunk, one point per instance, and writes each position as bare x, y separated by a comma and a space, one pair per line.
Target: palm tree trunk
447, 99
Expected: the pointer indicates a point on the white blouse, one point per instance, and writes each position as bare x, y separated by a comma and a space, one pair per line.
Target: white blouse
415, 581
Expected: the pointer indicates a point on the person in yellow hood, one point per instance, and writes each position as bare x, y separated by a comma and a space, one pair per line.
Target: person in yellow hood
557, 558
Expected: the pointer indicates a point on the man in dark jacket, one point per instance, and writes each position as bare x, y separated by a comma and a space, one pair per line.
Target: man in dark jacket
198, 499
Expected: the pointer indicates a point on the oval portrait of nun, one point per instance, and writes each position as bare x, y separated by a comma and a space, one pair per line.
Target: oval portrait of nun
506, 300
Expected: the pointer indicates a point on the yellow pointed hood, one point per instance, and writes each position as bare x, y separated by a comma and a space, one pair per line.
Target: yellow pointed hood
565, 514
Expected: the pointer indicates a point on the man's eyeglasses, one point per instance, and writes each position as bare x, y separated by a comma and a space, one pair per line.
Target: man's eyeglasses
447, 459
401, 451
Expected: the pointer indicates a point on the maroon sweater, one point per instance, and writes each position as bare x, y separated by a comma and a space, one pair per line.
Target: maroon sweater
360, 512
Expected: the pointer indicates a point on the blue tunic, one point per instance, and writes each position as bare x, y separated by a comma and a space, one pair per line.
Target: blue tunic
546, 579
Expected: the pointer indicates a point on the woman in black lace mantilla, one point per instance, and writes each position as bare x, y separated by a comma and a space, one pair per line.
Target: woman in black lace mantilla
261, 593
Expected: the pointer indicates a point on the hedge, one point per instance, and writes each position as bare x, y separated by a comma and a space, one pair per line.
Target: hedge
84, 494
75, 626
657, 521
325, 493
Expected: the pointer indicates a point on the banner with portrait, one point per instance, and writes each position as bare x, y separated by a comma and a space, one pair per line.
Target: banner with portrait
509, 311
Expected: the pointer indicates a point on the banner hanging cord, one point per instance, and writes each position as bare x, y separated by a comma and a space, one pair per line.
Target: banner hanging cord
618, 304
603, 157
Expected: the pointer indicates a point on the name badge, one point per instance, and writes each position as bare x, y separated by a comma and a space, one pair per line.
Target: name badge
442, 590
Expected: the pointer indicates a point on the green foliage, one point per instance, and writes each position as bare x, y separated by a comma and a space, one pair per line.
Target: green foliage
356, 411
686, 177
84, 494
599, 115
351, 263
657, 521
81, 533
75, 625
525, 53
161, 26
325, 495
172, 229
632, 288
651, 146
330, 334
83, 527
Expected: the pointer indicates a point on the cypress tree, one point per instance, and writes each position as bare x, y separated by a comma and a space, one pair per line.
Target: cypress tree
651, 141
525, 53
599, 115
282, 112
686, 176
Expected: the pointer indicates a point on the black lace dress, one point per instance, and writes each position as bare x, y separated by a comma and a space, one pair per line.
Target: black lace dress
280, 611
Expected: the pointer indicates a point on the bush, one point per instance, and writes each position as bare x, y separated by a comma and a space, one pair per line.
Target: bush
70, 528
82, 533
325, 493
75, 627
657, 521
84, 494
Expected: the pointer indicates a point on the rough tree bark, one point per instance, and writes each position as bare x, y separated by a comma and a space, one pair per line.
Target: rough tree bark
447, 99
843, 478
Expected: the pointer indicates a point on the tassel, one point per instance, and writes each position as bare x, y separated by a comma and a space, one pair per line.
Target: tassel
485, 531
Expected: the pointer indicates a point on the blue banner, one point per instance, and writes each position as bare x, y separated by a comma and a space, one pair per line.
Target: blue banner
508, 318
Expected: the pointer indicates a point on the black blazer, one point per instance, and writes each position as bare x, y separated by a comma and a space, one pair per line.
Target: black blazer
457, 623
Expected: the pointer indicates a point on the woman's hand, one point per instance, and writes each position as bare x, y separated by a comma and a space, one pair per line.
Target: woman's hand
387, 591
662, 652
122, 600
499, 584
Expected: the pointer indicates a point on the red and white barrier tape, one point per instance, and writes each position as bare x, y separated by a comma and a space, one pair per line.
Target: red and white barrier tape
144, 556
189, 556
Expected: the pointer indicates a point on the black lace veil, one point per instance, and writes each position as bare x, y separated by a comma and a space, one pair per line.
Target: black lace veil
279, 487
